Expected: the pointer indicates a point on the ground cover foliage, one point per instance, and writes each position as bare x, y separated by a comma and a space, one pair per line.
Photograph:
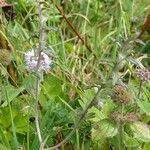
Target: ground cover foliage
94, 93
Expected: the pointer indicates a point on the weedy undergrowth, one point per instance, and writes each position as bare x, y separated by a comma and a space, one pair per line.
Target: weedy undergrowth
74, 75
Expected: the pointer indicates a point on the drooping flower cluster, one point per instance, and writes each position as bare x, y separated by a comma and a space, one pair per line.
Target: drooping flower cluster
143, 74
31, 60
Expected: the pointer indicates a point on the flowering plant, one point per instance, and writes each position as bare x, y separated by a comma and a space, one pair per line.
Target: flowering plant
31, 60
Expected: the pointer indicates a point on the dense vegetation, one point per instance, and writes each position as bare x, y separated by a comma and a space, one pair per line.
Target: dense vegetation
74, 74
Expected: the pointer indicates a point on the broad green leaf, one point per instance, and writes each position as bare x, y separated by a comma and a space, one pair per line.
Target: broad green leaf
20, 124
29, 83
43, 99
9, 93
105, 128
5, 117
141, 131
107, 108
105, 111
52, 86
102, 144
144, 106
129, 141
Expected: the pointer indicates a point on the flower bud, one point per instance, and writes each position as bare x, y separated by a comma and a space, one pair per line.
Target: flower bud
143, 74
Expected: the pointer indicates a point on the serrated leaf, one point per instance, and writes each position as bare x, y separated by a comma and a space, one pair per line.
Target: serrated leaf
141, 131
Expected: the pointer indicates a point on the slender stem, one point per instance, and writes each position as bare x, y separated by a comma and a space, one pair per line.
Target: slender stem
37, 83
37, 110
121, 146
140, 88
120, 136
12, 121
77, 139
28, 130
138, 96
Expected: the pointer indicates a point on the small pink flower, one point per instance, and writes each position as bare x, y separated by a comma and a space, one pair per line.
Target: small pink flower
143, 74
31, 61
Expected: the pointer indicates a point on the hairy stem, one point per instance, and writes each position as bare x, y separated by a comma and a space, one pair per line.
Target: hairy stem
37, 83
120, 136
121, 146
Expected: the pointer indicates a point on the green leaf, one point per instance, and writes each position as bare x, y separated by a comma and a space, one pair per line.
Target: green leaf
5, 118
9, 93
87, 96
4, 139
141, 131
144, 106
105, 111
105, 128
146, 146
52, 86
29, 83
21, 124
3, 147
129, 141
69, 47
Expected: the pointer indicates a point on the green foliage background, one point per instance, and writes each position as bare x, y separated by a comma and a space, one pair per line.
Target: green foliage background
76, 74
